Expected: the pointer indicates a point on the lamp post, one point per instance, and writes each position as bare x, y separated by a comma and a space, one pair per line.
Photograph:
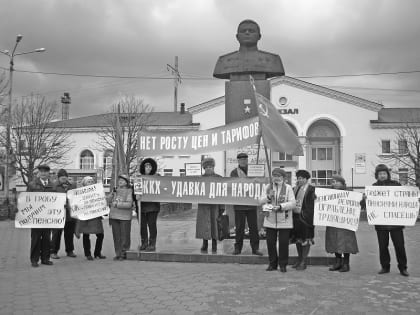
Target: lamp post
11, 56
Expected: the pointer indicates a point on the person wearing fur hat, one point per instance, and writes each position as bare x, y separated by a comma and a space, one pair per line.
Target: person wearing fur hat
245, 213
207, 214
383, 178
278, 221
63, 185
149, 211
121, 203
340, 242
91, 226
303, 218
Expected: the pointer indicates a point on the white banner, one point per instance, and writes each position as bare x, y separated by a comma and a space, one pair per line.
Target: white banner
41, 210
88, 202
392, 205
337, 208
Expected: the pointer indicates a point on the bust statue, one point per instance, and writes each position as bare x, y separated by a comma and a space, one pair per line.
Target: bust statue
238, 65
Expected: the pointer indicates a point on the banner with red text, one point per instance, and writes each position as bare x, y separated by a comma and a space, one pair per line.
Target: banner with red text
88, 202
41, 210
237, 134
209, 190
337, 208
392, 205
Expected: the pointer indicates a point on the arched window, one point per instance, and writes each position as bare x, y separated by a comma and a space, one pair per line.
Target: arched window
87, 160
107, 166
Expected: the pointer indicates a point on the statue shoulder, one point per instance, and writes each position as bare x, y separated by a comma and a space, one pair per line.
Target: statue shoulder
220, 70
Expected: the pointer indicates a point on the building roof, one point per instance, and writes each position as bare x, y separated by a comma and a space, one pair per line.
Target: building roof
399, 115
103, 120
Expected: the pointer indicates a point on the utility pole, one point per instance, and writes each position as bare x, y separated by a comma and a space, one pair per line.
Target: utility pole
177, 80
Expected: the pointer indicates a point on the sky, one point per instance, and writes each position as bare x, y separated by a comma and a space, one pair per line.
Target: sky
138, 38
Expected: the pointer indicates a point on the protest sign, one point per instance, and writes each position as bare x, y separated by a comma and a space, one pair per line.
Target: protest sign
392, 205
337, 208
87, 202
256, 170
41, 210
237, 134
210, 190
192, 169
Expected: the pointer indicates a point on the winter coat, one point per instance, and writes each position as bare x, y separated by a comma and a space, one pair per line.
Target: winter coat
234, 173
124, 198
207, 214
147, 207
340, 241
281, 219
92, 226
64, 188
37, 186
303, 228
387, 182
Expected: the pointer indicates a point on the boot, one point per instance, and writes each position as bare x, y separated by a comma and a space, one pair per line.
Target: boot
346, 263
143, 244
338, 263
214, 246
305, 253
152, 246
205, 246
299, 260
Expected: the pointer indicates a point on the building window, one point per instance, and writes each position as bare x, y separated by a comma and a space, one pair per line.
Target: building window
402, 147
87, 160
182, 172
322, 154
167, 172
403, 176
107, 167
285, 157
386, 146
322, 177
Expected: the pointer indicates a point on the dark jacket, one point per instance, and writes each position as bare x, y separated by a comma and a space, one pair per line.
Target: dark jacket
64, 188
388, 182
234, 173
37, 186
147, 207
307, 210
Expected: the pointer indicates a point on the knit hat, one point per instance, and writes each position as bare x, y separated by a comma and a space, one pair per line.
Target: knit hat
303, 173
339, 178
85, 180
242, 155
150, 161
125, 177
279, 172
209, 161
62, 172
43, 167
382, 168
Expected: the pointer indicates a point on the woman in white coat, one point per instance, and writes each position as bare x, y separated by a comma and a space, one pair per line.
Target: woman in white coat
278, 206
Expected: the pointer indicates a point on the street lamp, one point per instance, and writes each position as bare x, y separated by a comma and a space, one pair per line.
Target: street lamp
11, 56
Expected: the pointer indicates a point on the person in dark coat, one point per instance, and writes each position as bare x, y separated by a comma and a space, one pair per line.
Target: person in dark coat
91, 226
62, 186
303, 218
245, 212
40, 237
149, 211
341, 242
383, 232
207, 214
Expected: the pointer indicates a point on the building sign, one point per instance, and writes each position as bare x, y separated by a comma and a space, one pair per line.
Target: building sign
360, 163
256, 170
192, 169
289, 111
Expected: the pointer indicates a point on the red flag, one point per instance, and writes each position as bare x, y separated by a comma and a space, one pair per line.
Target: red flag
277, 134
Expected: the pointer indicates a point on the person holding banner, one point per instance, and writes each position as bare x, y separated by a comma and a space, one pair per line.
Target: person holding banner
207, 214
303, 218
243, 213
121, 203
278, 221
341, 242
92, 226
149, 211
383, 232
41, 238
63, 185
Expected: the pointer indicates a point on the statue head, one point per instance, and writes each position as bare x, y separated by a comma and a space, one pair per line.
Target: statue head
248, 33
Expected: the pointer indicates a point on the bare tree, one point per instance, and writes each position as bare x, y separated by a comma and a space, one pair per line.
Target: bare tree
406, 152
35, 138
134, 115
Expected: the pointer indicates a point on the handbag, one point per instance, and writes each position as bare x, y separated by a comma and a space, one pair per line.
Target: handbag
223, 226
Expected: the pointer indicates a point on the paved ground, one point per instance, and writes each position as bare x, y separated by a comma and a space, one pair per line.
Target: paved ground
78, 286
